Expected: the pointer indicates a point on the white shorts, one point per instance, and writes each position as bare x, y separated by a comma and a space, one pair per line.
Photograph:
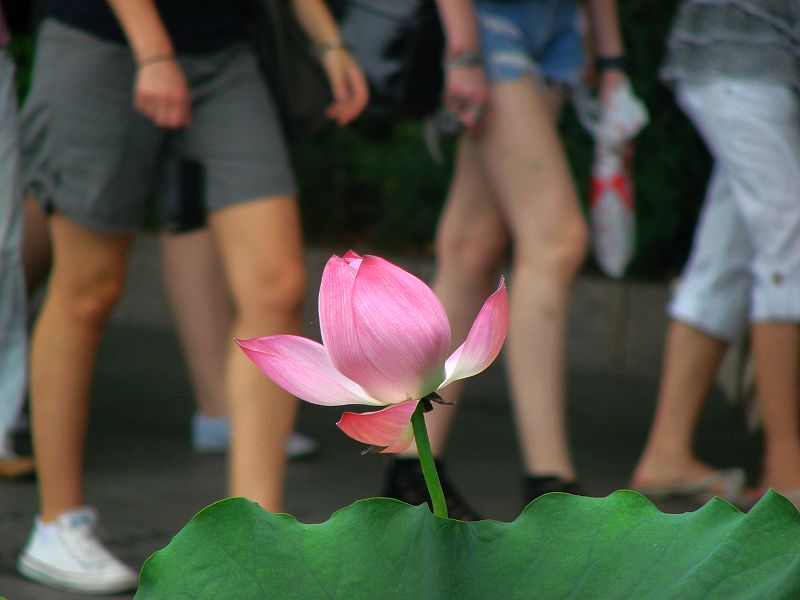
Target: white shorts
745, 261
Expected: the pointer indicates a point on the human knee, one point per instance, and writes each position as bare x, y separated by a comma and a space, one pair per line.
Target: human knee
576, 242
279, 291
476, 251
560, 254
90, 298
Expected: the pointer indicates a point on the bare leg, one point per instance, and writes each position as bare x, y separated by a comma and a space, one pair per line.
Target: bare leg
529, 173
471, 242
87, 279
515, 176
690, 363
36, 248
201, 307
776, 348
261, 249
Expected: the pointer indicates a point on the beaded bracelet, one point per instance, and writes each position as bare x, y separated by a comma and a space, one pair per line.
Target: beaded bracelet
156, 59
320, 49
467, 59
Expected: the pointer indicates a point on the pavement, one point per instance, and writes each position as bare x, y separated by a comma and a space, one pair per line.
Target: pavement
147, 482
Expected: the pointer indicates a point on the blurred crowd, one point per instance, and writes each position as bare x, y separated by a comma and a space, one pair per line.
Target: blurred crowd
160, 110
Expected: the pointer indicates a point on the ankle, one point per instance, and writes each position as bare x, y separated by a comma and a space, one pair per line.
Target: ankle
51, 516
45, 531
665, 458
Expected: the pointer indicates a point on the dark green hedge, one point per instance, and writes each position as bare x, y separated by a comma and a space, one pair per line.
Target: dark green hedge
378, 189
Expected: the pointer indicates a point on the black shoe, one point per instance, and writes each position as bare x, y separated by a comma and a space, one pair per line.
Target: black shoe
405, 482
533, 487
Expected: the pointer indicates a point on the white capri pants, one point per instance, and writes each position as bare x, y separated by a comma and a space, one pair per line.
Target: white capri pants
745, 262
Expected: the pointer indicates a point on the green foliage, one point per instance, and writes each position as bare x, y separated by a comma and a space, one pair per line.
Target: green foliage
370, 186
561, 546
21, 50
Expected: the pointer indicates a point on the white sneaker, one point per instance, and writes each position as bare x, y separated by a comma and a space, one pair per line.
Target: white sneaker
66, 554
300, 445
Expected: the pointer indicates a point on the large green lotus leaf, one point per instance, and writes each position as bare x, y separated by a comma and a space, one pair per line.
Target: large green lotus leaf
561, 546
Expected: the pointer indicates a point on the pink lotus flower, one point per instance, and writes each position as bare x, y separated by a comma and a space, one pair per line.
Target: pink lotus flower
385, 343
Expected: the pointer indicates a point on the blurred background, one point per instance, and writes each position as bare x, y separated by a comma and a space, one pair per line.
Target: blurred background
375, 186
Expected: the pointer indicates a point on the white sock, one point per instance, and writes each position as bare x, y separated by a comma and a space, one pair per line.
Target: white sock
45, 532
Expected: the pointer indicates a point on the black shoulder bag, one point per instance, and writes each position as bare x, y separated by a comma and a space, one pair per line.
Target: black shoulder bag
296, 80
398, 44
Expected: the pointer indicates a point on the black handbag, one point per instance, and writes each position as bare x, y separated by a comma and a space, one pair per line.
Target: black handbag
295, 78
22, 16
398, 44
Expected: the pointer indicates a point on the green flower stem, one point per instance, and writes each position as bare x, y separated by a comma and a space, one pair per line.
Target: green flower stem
426, 462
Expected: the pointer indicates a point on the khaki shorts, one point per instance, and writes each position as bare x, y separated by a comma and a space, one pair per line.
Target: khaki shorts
88, 154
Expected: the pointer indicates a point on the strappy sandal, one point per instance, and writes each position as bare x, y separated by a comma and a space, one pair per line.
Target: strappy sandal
405, 482
725, 483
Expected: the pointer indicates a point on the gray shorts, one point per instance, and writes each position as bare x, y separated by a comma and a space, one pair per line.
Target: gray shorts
88, 154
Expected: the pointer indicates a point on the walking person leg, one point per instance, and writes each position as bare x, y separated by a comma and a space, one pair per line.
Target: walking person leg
206, 106
86, 282
261, 248
753, 261
776, 349
94, 187
709, 311
36, 247
194, 281
512, 182
529, 172
765, 156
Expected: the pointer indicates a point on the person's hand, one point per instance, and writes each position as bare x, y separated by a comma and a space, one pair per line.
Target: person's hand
466, 94
161, 93
348, 85
610, 80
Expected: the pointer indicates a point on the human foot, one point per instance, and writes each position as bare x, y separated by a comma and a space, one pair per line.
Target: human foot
68, 555
688, 478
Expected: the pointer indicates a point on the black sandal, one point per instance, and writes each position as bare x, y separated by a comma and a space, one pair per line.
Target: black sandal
405, 482
535, 486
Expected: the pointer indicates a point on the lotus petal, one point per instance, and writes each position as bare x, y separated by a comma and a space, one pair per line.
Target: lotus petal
302, 367
389, 428
352, 259
484, 340
396, 338
335, 308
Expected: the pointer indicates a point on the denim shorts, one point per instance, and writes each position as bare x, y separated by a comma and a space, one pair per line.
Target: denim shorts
531, 37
